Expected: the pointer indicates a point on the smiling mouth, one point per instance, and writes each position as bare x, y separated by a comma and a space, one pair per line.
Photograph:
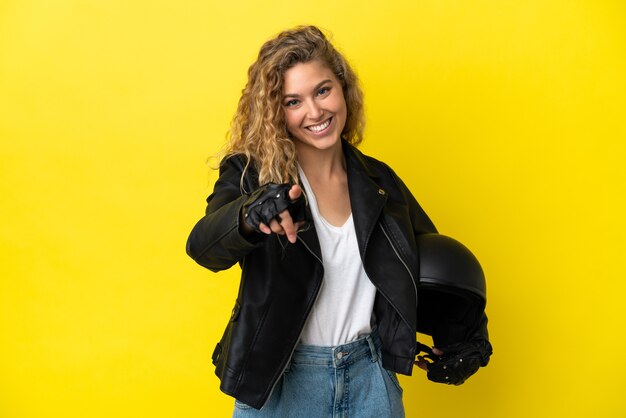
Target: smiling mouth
321, 127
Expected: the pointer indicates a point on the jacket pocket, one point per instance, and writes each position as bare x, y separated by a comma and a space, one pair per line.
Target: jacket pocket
225, 341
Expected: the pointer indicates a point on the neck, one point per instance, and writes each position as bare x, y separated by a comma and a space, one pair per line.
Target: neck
322, 164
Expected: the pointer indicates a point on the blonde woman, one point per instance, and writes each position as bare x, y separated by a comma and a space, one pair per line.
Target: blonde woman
326, 240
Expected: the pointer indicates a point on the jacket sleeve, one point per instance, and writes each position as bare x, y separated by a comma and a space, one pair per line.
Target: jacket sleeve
215, 241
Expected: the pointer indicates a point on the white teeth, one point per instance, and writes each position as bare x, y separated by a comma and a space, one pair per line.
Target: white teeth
321, 127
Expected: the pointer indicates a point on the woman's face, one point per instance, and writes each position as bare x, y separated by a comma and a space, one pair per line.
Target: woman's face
315, 109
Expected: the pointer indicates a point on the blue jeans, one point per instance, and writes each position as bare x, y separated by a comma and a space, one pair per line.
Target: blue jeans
347, 381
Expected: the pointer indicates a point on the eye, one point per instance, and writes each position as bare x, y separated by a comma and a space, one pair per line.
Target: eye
323, 91
292, 102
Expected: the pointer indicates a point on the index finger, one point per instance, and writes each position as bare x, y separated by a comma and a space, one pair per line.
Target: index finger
288, 226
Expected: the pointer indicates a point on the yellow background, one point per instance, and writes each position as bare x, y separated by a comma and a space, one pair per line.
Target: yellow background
505, 118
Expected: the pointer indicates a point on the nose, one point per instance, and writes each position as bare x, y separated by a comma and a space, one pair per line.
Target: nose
314, 110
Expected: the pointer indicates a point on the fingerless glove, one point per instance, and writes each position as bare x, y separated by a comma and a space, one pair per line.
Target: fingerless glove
268, 201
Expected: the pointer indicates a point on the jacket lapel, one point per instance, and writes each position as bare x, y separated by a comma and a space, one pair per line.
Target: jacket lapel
366, 197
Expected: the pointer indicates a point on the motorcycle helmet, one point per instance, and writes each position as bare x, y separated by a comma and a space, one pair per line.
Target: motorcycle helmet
451, 290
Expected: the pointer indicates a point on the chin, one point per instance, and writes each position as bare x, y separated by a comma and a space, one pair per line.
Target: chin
320, 143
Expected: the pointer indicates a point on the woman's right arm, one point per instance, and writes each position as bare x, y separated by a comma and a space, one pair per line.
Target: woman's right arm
216, 241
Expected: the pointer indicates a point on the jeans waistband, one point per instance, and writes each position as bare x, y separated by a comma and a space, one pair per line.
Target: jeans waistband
341, 355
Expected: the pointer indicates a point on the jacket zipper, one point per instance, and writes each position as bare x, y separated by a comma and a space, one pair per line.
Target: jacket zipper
407, 269
400, 258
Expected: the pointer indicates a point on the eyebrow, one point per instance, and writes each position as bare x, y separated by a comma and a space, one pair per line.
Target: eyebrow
320, 84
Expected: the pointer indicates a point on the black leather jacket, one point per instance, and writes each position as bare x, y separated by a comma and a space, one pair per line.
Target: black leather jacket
280, 281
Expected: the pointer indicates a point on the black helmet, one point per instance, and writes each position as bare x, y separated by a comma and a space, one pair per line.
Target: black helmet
451, 290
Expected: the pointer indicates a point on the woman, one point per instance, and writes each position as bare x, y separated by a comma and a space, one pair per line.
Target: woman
326, 239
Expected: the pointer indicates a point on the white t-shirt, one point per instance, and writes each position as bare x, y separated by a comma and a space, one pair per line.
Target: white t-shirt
343, 309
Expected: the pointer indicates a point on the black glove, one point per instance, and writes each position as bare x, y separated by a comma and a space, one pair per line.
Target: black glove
265, 203
458, 362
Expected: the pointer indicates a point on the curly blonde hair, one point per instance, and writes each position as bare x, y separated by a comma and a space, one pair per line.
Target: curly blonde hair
258, 128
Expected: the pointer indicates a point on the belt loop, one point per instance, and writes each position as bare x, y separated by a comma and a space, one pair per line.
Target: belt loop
373, 350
